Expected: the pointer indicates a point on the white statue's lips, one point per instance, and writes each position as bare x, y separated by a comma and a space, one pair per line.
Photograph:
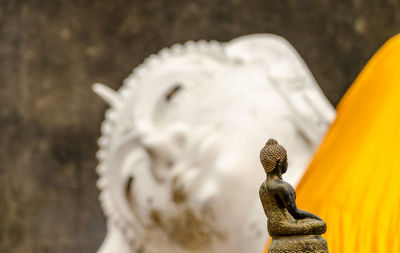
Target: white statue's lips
178, 155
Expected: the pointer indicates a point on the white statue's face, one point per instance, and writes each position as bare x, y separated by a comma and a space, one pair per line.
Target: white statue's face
181, 171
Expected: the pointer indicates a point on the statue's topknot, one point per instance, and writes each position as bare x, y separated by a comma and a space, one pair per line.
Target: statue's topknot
271, 153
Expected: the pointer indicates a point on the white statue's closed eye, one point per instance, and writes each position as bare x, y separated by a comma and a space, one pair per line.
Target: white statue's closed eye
179, 168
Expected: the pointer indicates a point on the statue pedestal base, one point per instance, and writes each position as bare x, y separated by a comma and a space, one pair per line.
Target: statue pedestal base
298, 244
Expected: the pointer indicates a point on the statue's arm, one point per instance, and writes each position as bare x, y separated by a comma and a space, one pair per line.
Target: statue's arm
289, 201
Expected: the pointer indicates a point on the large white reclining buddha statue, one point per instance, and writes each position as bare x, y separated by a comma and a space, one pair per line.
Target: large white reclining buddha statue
178, 157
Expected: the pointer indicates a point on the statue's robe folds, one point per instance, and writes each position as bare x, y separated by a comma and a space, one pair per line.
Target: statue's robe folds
353, 181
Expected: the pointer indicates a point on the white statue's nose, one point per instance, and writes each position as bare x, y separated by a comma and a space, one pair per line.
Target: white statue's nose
165, 146
167, 142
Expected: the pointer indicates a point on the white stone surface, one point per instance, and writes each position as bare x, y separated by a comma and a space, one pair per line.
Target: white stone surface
201, 146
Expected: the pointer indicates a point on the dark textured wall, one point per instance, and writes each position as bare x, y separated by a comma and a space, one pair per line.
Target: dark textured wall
52, 51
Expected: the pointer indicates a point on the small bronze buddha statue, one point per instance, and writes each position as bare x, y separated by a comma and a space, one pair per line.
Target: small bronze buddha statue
291, 229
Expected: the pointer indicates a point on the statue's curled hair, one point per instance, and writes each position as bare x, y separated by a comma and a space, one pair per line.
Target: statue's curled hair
271, 155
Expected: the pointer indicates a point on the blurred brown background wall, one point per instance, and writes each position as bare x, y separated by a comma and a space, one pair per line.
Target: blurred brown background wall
52, 51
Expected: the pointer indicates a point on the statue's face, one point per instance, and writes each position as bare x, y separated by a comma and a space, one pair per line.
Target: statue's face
181, 164
284, 166
202, 146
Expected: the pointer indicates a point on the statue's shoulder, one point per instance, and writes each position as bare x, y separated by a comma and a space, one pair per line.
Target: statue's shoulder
268, 188
277, 187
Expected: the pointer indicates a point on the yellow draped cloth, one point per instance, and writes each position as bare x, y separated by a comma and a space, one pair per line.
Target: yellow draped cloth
353, 181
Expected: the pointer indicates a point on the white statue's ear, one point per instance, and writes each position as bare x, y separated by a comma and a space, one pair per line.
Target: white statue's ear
107, 94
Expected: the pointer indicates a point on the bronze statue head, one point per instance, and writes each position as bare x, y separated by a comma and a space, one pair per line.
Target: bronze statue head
273, 157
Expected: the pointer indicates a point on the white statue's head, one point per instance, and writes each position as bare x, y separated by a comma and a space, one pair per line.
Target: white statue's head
179, 169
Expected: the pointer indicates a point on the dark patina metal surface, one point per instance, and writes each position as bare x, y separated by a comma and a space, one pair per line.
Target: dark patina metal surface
292, 229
